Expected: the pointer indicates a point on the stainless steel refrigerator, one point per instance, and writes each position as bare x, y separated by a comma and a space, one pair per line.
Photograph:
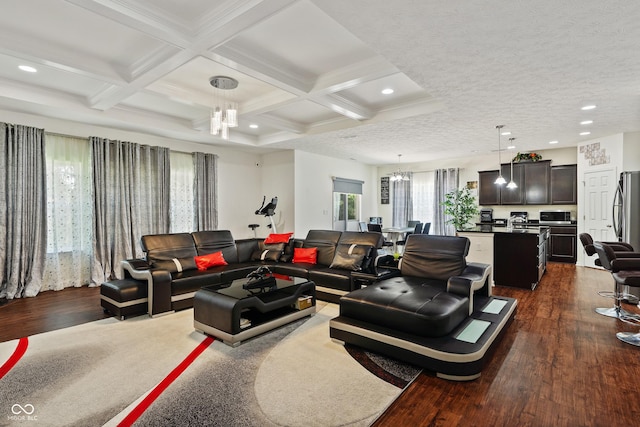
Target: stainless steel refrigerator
626, 209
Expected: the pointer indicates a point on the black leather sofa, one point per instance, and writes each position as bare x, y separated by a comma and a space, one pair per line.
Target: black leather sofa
170, 274
439, 314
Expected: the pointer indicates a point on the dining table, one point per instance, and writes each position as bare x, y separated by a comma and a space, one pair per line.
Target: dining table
394, 234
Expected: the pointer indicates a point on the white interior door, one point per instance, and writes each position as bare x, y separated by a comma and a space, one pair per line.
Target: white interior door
600, 188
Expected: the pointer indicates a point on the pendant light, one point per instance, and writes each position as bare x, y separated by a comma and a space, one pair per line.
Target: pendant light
500, 180
512, 185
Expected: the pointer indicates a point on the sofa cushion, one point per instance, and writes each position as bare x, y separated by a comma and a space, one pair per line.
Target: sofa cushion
297, 270
305, 255
168, 246
325, 241
207, 242
350, 257
434, 257
331, 278
277, 238
175, 264
205, 262
266, 255
417, 309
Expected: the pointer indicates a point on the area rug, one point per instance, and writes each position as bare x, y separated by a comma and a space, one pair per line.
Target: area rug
99, 374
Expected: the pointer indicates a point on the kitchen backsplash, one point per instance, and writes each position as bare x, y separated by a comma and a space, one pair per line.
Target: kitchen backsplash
533, 210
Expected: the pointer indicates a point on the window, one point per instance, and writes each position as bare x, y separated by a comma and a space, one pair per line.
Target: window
69, 212
423, 194
182, 176
346, 203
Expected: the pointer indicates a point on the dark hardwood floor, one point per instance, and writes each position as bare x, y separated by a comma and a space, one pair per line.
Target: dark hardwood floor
559, 363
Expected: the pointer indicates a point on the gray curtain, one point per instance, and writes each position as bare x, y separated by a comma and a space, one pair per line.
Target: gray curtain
402, 202
445, 181
23, 210
205, 204
131, 199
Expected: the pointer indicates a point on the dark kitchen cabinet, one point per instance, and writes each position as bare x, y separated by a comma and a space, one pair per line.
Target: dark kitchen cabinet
488, 191
533, 180
513, 196
563, 243
564, 185
537, 180
519, 259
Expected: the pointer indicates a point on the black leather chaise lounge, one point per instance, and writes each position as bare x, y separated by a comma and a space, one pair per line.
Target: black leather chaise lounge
439, 314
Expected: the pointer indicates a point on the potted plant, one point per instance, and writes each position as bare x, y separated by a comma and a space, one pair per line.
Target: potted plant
461, 206
527, 157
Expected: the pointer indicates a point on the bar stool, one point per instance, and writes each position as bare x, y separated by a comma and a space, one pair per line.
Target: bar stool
621, 250
625, 272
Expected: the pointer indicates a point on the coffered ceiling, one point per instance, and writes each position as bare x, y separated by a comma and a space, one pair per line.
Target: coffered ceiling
311, 72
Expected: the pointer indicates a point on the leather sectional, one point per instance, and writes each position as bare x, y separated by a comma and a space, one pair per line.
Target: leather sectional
438, 314
170, 275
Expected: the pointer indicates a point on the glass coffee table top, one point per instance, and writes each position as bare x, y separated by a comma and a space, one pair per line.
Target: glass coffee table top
235, 290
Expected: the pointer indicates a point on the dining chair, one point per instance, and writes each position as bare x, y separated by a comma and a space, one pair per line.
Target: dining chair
378, 228
426, 228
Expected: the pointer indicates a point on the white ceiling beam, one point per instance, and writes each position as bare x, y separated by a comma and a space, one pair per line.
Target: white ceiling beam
282, 124
345, 107
139, 18
162, 62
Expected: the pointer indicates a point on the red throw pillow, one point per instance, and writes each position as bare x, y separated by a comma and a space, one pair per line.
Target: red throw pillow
205, 262
277, 238
306, 255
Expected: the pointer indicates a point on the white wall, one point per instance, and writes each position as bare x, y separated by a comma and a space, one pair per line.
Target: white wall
612, 150
277, 179
631, 149
314, 189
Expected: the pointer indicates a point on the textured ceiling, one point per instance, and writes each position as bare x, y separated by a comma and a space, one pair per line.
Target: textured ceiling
311, 72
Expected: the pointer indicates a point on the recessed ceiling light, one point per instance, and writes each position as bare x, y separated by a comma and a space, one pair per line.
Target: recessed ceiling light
27, 68
586, 122
253, 126
588, 107
505, 133
387, 91
585, 133
511, 147
553, 142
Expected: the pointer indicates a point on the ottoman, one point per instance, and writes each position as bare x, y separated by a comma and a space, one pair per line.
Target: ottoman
124, 297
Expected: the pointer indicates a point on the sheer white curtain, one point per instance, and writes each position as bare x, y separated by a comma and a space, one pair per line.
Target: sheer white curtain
69, 213
446, 180
423, 195
402, 202
182, 176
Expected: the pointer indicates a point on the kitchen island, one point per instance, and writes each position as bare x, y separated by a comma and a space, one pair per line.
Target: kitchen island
518, 256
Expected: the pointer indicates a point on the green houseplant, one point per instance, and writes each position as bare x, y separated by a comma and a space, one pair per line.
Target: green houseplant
461, 206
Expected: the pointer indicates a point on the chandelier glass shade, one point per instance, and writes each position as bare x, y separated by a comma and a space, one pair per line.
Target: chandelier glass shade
500, 180
399, 175
224, 114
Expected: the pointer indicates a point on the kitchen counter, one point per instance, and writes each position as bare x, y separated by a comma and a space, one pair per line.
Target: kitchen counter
518, 256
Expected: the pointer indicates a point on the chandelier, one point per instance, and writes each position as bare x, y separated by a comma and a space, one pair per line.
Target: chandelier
500, 180
399, 175
224, 114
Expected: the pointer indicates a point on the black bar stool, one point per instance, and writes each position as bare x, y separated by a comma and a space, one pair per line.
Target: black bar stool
625, 272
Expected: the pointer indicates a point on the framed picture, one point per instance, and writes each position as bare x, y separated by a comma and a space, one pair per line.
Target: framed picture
384, 190
473, 188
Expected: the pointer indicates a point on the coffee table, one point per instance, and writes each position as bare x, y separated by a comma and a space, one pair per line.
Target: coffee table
234, 314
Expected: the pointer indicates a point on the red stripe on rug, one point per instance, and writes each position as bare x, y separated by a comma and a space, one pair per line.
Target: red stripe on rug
20, 350
165, 383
